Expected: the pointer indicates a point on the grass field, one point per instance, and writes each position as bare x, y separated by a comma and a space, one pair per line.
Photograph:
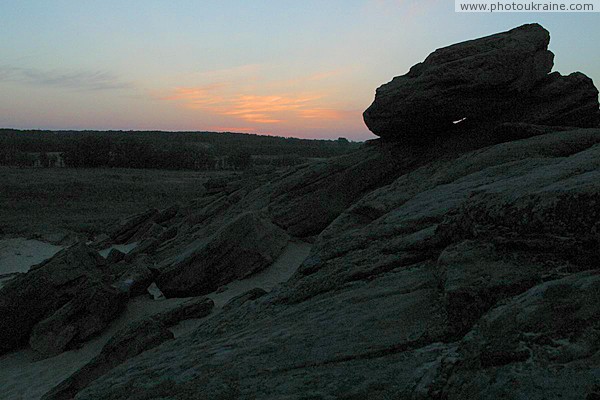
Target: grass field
37, 201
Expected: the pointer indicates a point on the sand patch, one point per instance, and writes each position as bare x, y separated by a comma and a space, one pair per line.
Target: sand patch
281, 270
17, 255
123, 248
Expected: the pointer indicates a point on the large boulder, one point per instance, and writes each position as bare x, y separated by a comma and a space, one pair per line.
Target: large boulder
483, 82
246, 245
53, 287
90, 311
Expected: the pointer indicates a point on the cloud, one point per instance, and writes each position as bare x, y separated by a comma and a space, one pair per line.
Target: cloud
262, 109
251, 108
75, 80
261, 97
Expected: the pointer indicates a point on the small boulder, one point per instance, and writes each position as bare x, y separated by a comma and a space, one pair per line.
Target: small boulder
147, 246
128, 227
135, 279
155, 292
166, 214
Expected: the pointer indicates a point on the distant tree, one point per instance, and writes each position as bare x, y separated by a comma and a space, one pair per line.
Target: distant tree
240, 160
205, 160
23, 159
52, 160
343, 141
133, 153
164, 150
4, 156
9, 155
88, 152
287, 160
44, 160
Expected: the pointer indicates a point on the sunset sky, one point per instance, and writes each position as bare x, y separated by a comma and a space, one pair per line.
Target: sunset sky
290, 68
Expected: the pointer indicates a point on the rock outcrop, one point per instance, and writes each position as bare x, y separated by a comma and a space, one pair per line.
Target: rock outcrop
125, 344
246, 245
547, 334
191, 309
451, 269
128, 342
481, 83
134, 278
90, 311
59, 303
411, 292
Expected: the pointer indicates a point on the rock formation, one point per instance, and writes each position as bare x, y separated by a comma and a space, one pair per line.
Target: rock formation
450, 282
59, 303
464, 266
449, 261
481, 83
127, 343
245, 246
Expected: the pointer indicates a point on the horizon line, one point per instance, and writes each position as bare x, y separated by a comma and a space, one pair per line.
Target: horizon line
176, 131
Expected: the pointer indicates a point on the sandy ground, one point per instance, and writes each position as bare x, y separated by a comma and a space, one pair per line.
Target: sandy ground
281, 270
19, 254
24, 377
123, 248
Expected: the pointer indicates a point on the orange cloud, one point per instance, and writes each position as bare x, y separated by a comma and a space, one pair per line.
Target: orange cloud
263, 109
266, 109
242, 96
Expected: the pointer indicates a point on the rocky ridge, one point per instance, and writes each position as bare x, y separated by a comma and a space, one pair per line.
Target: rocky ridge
449, 261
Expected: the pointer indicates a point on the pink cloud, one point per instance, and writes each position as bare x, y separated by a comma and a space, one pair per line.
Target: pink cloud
261, 109
254, 105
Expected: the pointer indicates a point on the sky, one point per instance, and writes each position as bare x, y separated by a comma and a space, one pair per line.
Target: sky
281, 67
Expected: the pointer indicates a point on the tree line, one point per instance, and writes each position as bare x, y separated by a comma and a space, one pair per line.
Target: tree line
159, 150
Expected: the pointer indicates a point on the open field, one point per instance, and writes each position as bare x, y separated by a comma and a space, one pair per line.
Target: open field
46, 200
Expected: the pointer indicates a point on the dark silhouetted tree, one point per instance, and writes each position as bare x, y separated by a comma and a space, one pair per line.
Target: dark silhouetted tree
44, 160
240, 160
88, 152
